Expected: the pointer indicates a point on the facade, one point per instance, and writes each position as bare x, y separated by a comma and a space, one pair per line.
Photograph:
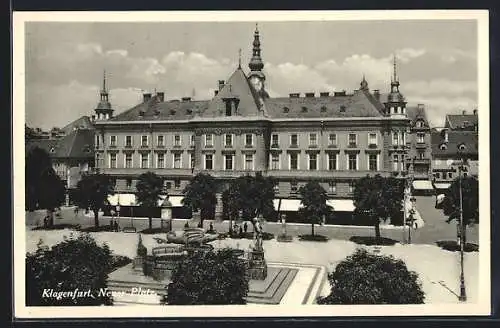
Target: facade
334, 138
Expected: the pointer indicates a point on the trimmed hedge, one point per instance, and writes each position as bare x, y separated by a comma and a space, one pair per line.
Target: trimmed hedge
61, 226
320, 238
371, 241
453, 246
151, 231
249, 235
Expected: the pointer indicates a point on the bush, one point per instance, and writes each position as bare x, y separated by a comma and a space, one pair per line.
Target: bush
284, 238
118, 261
98, 228
61, 226
371, 241
453, 246
75, 263
364, 278
209, 277
249, 235
313, 238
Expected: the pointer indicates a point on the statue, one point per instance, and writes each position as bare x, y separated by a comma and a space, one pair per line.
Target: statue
257, 228
257, 262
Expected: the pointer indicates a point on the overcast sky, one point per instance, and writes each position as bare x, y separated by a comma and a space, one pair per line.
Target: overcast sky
437, 62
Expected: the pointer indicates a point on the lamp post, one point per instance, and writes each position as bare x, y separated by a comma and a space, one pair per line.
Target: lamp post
412, 213
131, 213
463, 295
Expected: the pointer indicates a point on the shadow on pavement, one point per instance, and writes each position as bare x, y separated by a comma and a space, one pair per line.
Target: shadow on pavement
453, 246
370, 241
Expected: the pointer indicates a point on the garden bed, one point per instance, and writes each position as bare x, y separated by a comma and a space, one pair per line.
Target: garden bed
319, 238
453, 246
249, 235
60, 226
371, 241
151, 231
100, 228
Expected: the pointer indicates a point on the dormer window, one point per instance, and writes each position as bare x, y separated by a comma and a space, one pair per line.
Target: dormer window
443, 147
461, 147
172, 112
323, 109
189, 111
52, 149
420, 124
286, 109
304, 109
342, 109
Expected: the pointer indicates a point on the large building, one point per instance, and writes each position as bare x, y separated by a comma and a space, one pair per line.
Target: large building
332, 137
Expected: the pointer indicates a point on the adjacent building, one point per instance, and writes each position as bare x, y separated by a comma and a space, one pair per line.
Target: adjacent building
334, 138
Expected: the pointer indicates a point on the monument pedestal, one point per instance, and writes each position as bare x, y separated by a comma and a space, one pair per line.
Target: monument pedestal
257, 266
138, 263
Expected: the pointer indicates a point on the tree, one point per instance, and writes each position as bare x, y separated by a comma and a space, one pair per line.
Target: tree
313, 203
200, 195
263, 193
209, 277
51, 193
92, 193
470, 202
74, 264
378, 198
364, 278
38, 162
149, 188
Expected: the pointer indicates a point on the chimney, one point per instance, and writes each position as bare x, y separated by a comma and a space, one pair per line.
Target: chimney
294, 95
216, 92
185, 99
161, 96
445, 135
146, 97
93, 118
475, 111
221, 84
309, 94
324, 94
464, 112
376, 94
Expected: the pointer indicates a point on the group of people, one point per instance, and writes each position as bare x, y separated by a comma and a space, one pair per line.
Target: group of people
114, 225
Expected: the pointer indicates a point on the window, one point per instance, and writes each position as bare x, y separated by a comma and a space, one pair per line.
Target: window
228, 162
209, 161
443, 147
372, 139
294, 161
275, 162
395, 138
294, 142
373, 162
191, 161
97, 141
112, 161
248, 161
208, 140
112, 141
276, 187
351, 187
352, 140
177, 140
450, 175
332, 162
323, 109
177, 161
313, 162
228, 108
332, 139
249, 139
128, 161
160, 161
353, 162
168, 185
395, 164
144, 141
420, 137
313, 139
421, 154
403, 138
144, 161
177, 183
332, 187
461, 147
294, 187
229, 140
99, 160
274, 140
128, 141
192, 140
160, 141
128, 183
420, 124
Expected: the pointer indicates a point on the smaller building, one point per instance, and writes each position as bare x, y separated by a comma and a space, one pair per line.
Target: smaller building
462, 122
449, 149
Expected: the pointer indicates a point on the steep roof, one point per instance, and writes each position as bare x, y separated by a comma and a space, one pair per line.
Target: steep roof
83, 122
455, 138
154, 109
237, 86
359, 104
77, 145
453, 121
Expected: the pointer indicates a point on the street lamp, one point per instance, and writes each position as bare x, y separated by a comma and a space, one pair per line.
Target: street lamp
463, 295
412, 217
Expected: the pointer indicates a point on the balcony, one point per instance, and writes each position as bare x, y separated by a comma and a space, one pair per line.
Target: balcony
416, 160
160, 146
313, 146
128, 146
333, 145
421, 145
275, 145
352, 145
294, 145
112, 146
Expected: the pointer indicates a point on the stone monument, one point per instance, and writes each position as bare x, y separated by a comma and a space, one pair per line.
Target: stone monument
257, 262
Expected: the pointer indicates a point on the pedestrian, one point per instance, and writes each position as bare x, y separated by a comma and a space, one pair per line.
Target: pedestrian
117, 227
241, 231
211, 229
186, 225
245, 226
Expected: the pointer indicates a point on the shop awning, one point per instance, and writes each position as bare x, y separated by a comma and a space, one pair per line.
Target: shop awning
122, 199
341, 205
175, 200
422, 185
286, 204
442, 185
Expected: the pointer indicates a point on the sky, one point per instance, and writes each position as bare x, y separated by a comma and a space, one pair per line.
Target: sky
437, 62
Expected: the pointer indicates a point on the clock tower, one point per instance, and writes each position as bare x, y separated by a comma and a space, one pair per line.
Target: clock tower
256, 76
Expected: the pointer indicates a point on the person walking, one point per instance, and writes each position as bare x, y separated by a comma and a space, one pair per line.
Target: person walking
245, 227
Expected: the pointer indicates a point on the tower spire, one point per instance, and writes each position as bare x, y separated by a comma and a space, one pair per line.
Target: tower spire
395, 77
239, 58
256, 63
104, 81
